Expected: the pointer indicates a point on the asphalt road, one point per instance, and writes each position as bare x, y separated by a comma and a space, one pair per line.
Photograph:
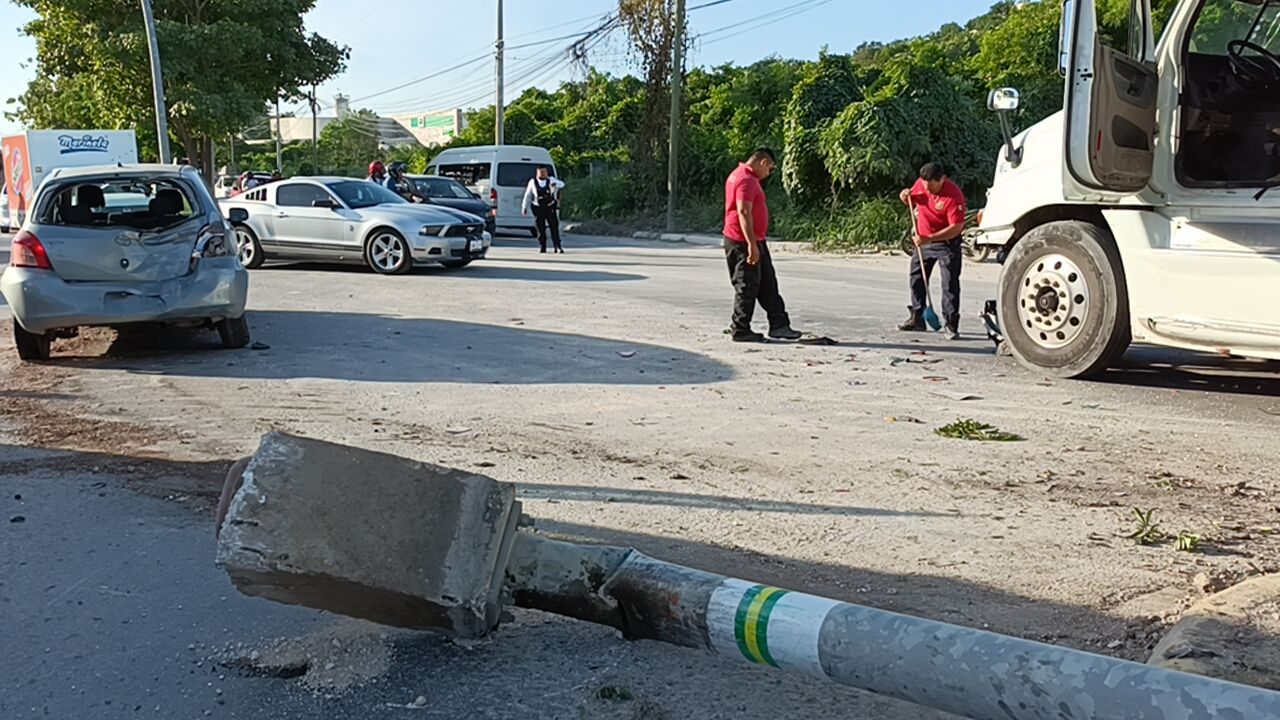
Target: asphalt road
600, 382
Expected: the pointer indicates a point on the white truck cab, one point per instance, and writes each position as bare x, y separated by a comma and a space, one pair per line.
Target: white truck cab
1145, 210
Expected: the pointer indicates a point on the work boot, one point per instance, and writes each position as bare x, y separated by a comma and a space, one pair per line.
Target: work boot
745, 336
915, 323
785, 333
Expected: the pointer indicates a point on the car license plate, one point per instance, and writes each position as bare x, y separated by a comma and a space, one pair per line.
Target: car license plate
475, 246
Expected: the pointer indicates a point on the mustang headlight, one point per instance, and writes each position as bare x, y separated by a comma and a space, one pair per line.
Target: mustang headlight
431, 230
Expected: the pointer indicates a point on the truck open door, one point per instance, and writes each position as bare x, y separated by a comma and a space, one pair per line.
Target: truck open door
1110, 103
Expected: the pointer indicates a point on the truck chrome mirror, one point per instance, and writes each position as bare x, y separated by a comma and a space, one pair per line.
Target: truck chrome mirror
1004, 100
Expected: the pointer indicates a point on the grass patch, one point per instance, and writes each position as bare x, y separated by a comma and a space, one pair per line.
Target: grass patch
971, 429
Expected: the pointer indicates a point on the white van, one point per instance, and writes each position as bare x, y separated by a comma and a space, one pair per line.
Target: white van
497, 172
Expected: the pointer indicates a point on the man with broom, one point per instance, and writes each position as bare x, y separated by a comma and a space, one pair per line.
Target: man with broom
938, 210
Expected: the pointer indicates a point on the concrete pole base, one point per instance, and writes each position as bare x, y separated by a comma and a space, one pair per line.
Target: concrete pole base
368, 535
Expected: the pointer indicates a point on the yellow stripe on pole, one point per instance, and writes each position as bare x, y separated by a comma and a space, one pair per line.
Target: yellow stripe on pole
753, 618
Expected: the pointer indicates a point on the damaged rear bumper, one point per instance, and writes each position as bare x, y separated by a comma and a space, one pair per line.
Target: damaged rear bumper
41, 301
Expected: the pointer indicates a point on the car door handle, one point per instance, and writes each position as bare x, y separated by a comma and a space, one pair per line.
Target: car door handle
282, 214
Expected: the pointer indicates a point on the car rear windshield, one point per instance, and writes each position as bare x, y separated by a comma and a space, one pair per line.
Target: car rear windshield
465, 173
518, 174
139, 203
362, 193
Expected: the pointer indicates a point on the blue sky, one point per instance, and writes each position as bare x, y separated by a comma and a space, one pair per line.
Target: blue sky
396, 41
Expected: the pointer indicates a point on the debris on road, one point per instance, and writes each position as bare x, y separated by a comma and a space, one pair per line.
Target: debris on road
904, 419
259, 346
971, 429
957, 396
18, 519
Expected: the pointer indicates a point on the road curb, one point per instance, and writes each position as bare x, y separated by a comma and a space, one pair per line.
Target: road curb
1233, 635
716, 241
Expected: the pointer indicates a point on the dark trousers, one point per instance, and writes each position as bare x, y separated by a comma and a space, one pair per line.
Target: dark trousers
950, 258
754, 284
543, 217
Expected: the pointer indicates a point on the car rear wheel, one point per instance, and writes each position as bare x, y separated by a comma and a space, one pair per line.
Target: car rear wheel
456, 264
388, 253
248, 248
31, 347
1063, 300
234, 332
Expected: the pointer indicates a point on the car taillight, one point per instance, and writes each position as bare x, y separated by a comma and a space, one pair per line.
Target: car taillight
27, 251
493, 196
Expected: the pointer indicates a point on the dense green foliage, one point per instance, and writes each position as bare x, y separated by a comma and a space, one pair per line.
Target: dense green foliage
224, 62
852, 128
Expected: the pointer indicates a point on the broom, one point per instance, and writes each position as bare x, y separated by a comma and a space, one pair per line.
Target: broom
930, 317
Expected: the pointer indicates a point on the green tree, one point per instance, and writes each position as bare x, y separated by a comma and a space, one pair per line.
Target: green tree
224, 61
347, 146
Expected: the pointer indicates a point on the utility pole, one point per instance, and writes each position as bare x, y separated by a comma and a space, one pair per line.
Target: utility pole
157, 83
500, 119
677, 89
315, 133
279, 141
232, 146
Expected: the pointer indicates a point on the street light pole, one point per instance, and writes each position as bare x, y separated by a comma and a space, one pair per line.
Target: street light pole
157, 83
500, 122
677, 89
279, 140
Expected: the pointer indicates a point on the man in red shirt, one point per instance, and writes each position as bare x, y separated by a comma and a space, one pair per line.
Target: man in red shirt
746, 222
939, 222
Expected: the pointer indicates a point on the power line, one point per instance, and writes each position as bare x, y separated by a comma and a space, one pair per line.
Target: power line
772, 13
767, 22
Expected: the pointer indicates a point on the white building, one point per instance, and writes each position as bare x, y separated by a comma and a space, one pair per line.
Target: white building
427, 128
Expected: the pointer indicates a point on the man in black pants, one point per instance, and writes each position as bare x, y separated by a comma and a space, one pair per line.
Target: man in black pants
746, 221
543, 193
939, 221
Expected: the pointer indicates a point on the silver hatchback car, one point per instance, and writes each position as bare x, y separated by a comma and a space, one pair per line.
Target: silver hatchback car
113, 246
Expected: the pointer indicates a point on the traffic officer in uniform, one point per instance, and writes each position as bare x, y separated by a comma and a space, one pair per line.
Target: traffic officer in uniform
543, 193
939, 224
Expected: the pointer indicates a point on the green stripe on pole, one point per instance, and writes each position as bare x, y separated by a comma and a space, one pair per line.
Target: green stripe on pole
762, 626
740, 621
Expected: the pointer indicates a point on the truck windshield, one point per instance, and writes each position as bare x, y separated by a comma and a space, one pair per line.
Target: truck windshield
1222, 21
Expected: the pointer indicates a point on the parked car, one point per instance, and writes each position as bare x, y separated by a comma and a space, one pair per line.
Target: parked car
451, 193
499, 172
347, 220
118, 245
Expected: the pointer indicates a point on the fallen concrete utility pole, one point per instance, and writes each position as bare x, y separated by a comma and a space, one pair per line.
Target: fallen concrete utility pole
414, 545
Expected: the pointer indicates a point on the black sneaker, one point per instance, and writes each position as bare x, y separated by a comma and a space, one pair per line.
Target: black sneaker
747, 336
785, 333
951, 332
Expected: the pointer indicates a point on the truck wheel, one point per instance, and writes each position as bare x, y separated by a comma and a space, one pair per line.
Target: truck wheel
31, 347
1063, 300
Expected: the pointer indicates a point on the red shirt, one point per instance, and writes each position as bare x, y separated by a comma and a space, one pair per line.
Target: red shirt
936, 213
745, 186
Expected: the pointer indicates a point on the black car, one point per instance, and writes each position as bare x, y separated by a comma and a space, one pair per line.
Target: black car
452, 194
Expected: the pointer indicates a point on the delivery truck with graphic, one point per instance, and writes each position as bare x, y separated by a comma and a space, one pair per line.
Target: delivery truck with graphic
30, 156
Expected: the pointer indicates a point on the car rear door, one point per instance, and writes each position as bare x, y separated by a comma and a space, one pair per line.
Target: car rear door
92, 252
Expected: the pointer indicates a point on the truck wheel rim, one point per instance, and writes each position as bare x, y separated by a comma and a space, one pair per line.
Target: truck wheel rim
386, 252
1053, 302
244, 246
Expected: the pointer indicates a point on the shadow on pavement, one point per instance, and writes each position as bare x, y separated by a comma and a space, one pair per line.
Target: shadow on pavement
1179, 370
380, 348
573, 493
479, 270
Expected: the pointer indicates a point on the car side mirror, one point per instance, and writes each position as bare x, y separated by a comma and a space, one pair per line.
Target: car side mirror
1003, 101
326, 203
476, 195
